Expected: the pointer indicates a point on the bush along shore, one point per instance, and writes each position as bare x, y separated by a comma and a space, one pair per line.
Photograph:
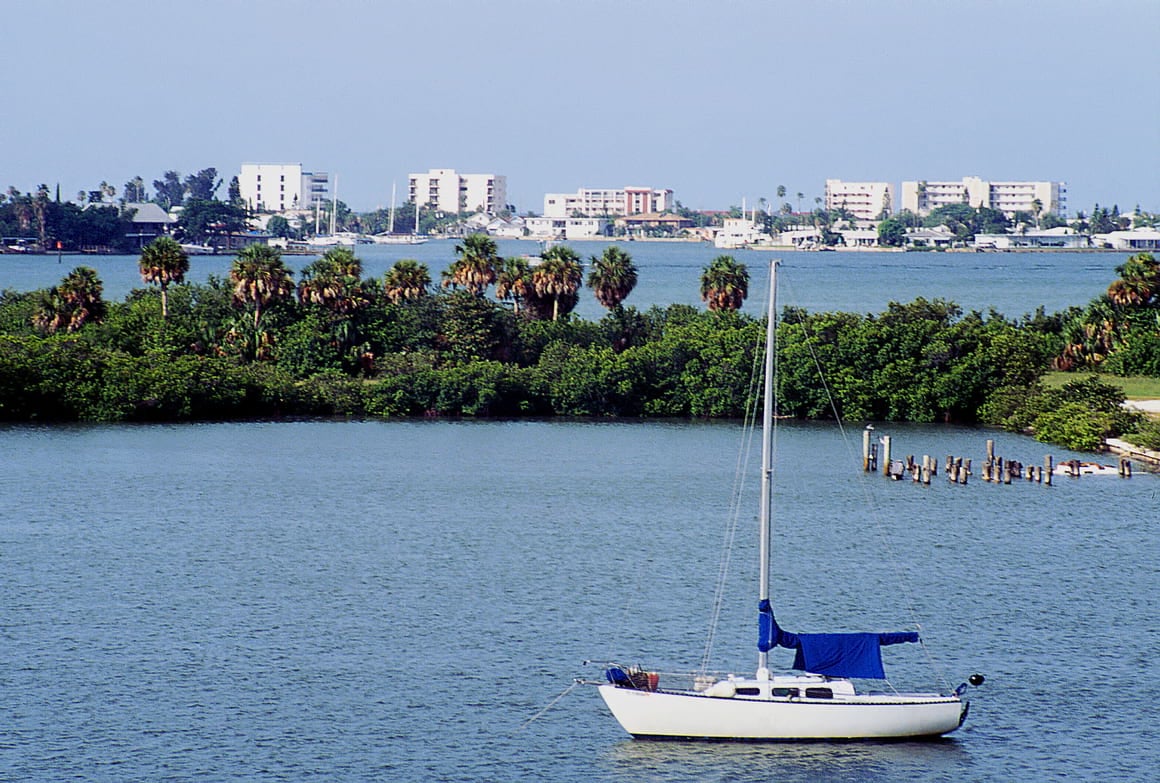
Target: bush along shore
259, 344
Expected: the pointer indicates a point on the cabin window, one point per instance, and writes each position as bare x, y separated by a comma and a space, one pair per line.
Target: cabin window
748, 691
819, 693
784, 692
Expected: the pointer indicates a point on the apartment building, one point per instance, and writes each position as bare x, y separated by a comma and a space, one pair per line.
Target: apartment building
449, 191
864, 200
607, 202
922, 197
277, 187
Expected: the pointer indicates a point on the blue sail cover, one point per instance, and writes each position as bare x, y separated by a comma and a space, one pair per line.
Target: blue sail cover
831, 654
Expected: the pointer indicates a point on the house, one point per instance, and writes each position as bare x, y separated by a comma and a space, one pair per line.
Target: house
1136, 239
800, 238
1058, 238
859, 237
565, 228
149, 222
740, 232
639, 225
939, 236
506, 229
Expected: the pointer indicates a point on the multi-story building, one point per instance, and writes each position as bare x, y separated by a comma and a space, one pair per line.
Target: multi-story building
448, 191
864, 200
607, 202
277, 187
922, 197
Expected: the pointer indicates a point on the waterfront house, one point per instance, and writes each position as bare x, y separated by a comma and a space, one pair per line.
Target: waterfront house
149, 222
1058, 238
1135, 240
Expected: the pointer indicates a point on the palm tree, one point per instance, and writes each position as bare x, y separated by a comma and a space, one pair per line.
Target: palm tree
474, 269
51, 314
406, 281
334, 281
40, 211
259, 276
72, 304
612, 277
1139, 281
81, 292
724, 284
513, 282
558, 277
163, 262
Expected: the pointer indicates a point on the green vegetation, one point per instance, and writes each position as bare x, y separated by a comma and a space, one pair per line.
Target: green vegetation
1118, 332
1146, 435
1077, 415
260, 343
1133, 387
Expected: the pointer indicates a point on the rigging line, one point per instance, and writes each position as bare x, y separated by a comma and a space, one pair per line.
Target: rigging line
875, 512
934, 665
740, 476
550, 704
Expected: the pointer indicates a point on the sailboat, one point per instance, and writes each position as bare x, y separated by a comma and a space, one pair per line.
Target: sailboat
819, 701
390, 237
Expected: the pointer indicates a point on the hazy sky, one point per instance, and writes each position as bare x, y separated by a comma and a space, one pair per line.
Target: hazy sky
718, 100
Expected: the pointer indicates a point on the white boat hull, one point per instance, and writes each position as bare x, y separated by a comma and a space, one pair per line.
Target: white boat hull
685, 715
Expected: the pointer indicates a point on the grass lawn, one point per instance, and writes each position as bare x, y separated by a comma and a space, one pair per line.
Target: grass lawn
1136, 387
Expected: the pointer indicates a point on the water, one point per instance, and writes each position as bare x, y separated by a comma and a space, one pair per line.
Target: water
669, 273
393, 600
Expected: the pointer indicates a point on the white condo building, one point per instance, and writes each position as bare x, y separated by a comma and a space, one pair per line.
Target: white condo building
277, 187
448, 191
607, 202
865, 200
923, 197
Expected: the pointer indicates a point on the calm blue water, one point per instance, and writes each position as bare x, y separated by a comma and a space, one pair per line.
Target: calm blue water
393, 600
669, 273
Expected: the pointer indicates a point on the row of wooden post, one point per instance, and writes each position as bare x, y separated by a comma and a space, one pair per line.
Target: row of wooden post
958, 469
1004, 471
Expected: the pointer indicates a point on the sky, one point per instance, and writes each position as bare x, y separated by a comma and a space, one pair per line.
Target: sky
719, 100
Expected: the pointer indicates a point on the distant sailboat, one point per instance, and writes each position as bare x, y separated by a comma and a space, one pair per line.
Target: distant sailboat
391, 238
334, 238
820, 703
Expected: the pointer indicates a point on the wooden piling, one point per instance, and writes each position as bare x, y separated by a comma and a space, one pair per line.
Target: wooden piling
866, 449
1047, 469
886, 456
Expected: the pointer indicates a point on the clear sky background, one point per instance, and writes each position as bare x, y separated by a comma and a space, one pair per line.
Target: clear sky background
718, 100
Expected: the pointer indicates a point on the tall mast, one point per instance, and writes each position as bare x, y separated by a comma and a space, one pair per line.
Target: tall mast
334, 206
391, 227
767, 453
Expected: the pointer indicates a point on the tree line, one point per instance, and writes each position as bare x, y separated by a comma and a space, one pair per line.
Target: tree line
493, 337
